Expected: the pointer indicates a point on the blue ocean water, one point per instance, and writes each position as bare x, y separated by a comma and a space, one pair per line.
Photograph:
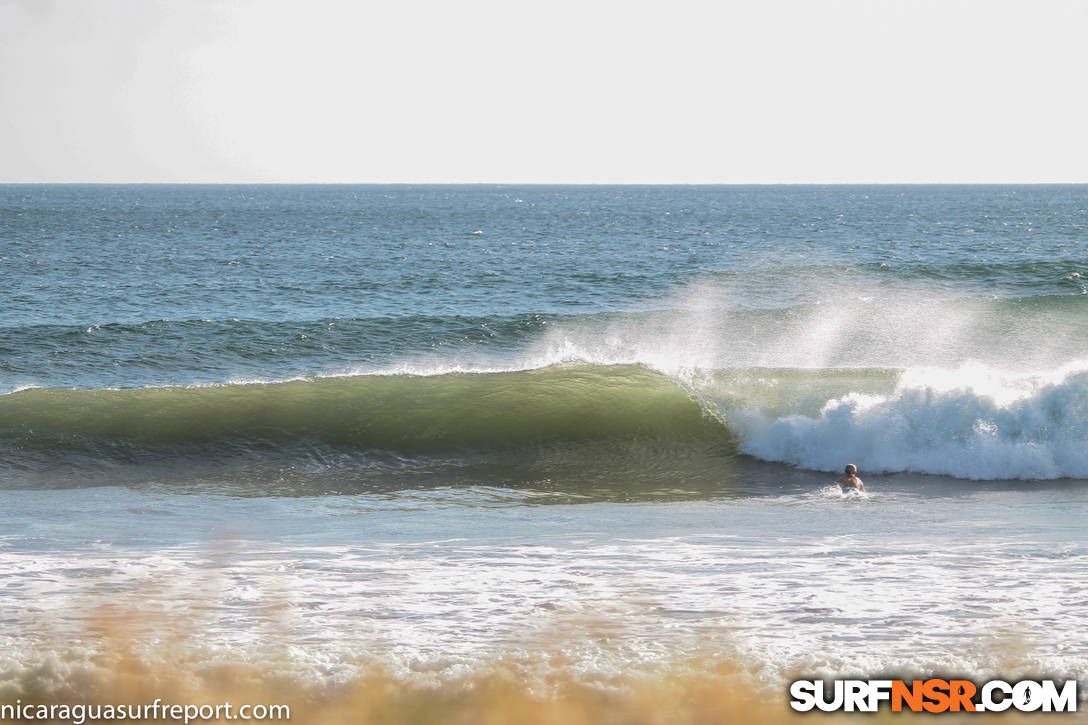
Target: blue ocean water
127, 286
437, 422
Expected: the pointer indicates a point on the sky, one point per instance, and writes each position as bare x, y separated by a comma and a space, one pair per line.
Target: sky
586, 91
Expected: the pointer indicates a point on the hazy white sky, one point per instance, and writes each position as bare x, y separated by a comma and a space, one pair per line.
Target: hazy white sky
583, 91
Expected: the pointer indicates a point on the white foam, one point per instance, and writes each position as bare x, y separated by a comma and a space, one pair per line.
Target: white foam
832, 491
971, 422
20, 388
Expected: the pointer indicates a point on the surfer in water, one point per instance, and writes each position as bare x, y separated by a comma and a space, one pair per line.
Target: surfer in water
850, 481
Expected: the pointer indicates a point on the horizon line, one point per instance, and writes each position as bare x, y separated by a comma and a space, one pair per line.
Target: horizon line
542, 183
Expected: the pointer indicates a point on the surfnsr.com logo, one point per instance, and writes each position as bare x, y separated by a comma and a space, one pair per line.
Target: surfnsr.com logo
934, 695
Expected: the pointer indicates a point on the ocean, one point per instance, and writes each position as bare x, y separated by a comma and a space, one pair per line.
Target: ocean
584, 432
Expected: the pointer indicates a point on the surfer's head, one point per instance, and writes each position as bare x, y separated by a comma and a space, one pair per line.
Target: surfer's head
851, 469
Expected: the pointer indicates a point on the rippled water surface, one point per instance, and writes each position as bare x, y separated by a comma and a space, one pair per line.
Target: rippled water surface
584, 429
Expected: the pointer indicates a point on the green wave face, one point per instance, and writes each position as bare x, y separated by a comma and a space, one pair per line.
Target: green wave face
410, 414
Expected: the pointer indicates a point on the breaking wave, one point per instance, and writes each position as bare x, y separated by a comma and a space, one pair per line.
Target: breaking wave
970, 422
